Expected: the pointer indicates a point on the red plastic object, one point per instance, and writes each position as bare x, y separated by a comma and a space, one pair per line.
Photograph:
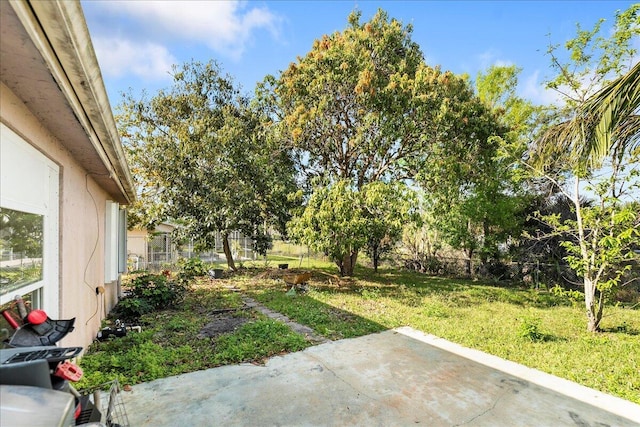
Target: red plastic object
37, 317
69, 371
78, 411
10, 320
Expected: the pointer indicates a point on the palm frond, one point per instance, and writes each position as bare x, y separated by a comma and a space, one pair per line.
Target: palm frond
609, 121
615, 109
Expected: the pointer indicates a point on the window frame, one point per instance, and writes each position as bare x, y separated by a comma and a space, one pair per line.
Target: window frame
29, 182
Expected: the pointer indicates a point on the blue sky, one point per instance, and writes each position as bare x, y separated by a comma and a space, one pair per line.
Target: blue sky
136, 42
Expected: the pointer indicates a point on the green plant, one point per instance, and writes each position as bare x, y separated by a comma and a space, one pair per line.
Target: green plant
258, 339
192, 267
594, 130
576, 297
530, 329
148, 292
132, 308
370, 293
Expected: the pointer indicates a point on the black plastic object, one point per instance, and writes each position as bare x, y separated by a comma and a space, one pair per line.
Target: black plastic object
24, 336
107, 333
31, 366
216, 273
50, 354
27, 336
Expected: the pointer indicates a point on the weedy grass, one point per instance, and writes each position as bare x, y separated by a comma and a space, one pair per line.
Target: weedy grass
536, 328
171, 342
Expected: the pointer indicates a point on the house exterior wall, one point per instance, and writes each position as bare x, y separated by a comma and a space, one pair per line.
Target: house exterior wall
137, 246
81, 226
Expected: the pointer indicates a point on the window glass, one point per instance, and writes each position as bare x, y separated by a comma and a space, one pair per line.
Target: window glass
29, 223
21, 249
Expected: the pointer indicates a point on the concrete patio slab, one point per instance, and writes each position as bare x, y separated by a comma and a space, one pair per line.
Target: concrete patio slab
395, 378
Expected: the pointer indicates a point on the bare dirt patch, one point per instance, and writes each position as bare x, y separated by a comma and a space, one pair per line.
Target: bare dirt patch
221, 324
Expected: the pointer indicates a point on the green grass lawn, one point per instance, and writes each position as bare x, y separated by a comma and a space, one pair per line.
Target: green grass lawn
531, 327
534, 328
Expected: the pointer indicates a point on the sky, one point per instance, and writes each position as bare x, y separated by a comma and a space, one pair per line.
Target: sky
138, 41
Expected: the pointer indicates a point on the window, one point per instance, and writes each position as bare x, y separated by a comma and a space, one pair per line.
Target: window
122, 241
28, 223
111, 242
115, 241
21, 248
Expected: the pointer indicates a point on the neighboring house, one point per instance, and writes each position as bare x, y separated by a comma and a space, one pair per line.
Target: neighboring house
64, 177
157, 249
151, 250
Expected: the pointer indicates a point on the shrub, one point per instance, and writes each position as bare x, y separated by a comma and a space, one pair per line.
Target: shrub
192, 267
132, 308
576, 297
148, 292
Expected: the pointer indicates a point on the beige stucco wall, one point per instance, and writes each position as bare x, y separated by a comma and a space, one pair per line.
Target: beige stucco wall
137, 240
81, 227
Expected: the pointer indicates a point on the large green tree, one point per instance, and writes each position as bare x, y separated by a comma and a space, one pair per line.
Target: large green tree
470, 184
507, 186
201, 156
593, 141
349, 107
363, 106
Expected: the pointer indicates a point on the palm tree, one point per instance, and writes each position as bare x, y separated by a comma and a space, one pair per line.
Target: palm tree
606, 127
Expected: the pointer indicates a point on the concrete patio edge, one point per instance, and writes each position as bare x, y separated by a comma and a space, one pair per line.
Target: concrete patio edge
613, 404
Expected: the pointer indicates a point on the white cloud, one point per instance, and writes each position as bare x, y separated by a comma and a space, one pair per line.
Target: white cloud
486, 58
535, 91
224, 26
121, 57
491, 57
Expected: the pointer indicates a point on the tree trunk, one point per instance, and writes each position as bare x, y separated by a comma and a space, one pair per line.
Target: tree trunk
376, 258
484, 253
468, 261
594, 308
348, 263
227, 251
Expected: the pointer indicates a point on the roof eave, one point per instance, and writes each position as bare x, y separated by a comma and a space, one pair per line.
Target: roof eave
59, 31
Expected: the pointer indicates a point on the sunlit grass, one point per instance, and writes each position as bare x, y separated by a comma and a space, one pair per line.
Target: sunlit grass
527, 326
300, 263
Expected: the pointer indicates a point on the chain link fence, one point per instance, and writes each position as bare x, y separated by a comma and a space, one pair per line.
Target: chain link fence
163, 253
534, 273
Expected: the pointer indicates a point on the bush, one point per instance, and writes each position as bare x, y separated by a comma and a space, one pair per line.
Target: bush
132, 308
149, 292
576, 297
192, 267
